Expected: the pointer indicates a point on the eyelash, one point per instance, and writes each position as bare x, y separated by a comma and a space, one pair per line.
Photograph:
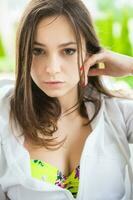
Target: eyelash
70, 50
39, 51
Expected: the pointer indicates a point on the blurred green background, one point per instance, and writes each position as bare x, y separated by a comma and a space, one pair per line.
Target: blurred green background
114, 26
115, 29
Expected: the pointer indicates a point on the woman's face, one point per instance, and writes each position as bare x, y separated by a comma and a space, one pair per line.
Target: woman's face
54, 66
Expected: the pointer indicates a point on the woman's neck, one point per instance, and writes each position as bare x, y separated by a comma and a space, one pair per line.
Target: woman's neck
69, 100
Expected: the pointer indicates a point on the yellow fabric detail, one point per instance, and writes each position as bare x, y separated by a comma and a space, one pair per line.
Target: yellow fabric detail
47, 173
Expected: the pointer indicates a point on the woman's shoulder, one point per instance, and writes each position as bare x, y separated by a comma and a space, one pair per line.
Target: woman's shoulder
119, 105
6, 91
125, 100
6, 88
120, 111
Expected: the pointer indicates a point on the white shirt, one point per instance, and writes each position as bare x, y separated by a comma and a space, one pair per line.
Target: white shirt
105, 170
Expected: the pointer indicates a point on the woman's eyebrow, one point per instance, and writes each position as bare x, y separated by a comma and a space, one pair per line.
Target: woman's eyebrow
61, 45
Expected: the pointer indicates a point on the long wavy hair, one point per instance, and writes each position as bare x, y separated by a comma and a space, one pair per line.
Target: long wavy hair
35, 112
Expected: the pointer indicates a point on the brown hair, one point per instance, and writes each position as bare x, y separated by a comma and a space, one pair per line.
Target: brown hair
32, 109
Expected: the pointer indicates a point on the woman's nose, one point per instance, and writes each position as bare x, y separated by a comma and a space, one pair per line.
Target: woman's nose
53, 65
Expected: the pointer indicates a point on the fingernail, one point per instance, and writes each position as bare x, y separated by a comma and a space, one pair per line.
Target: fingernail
81, 68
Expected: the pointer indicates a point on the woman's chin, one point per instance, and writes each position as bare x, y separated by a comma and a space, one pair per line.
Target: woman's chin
55, 93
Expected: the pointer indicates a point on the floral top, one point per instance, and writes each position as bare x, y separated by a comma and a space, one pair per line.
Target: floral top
46, 172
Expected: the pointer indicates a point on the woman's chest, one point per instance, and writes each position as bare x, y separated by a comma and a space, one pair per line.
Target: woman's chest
102, 172
66, 158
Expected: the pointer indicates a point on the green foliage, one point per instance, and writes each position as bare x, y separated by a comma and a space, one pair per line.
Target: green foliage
2, 50
124, 44
104, 28
119, 43
106, 5
6, 64
128, 80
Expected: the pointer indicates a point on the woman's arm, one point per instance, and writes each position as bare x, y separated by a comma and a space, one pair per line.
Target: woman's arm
115, 64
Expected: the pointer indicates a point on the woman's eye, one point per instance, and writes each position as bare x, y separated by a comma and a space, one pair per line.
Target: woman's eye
38, 51
69, 51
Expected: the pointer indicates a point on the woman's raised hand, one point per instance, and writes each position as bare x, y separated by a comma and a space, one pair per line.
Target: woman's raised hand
110, 64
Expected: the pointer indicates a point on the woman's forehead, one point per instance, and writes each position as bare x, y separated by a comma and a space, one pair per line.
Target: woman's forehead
55, 29
53, 25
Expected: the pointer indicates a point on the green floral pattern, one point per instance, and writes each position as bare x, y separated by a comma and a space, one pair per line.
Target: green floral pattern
46, 172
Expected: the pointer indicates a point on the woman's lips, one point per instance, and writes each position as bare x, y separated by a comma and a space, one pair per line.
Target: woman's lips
54, 84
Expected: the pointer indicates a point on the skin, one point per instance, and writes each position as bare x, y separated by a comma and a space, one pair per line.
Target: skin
59, 63
56, 62
115, 64
53, 62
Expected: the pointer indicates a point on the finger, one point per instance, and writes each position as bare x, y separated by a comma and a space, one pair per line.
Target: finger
94, 59
97, 72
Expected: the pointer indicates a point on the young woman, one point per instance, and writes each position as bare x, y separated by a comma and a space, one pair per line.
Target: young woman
63, 134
